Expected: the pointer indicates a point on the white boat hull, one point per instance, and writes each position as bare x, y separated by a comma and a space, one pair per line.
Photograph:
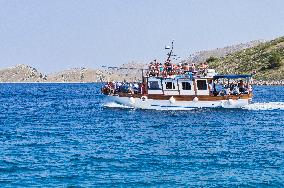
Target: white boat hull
177, 105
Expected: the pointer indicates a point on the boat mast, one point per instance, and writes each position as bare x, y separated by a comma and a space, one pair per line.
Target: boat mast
171, 52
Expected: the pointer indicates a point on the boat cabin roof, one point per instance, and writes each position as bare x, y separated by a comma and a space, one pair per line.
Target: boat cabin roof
232, 76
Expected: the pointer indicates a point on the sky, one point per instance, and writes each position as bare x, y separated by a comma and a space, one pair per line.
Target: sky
54, 35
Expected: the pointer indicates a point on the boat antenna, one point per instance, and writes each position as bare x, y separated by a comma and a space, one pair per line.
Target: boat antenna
170, 54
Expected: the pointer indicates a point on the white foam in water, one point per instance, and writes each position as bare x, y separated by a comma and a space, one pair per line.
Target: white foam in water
265, 106
254, 106
115, 105
174, 109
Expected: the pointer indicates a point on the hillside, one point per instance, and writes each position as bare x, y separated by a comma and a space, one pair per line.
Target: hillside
128, 72
265, 59
21, 73
76, 75
201, 56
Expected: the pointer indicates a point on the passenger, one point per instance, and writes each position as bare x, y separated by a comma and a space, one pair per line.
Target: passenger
161, 69
218, 87
151, 66
136, 88
232, 85
179, 69
205, 66
110, 84
114, 85
168, 66
241, 86
249, 88
143, 88
152, 72
157, 72
186, 67
222, 93
201, 66
130, 90
118, 85
193, 69
211, 88
175, 69
227, 91
236, 91
172, 69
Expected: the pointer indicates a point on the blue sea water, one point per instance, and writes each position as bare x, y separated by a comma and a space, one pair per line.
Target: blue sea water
64, 135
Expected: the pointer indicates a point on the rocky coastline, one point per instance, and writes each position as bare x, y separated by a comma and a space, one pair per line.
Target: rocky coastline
268, 83
235, 59
126, 72
129, 72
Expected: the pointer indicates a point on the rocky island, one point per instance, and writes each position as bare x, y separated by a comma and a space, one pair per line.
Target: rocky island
264, 58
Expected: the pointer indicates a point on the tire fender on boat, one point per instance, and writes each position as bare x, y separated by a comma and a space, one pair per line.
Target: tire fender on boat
144, 98
195, 99
172, 100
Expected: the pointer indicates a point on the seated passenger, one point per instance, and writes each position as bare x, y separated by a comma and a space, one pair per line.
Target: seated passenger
118, 85
227, 91
136, 88
219, 87
241, 86
249, 88
236, 90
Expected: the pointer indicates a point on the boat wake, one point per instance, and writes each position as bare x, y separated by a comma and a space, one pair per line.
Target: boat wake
254, 106
265, 106
115, 105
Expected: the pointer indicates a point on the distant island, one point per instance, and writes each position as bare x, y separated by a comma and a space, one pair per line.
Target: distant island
264, 58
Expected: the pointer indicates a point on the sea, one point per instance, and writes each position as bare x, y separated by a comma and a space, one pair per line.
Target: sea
69, 135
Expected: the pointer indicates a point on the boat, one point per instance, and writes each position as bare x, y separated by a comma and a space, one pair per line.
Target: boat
181, 86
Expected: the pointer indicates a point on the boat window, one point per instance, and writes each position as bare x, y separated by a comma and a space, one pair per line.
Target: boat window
170, 85
186, 86
201, 84
154, 85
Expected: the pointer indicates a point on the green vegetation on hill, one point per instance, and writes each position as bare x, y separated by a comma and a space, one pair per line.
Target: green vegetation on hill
266, 59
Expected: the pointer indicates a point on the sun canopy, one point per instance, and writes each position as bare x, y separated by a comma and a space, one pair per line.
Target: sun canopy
232, 76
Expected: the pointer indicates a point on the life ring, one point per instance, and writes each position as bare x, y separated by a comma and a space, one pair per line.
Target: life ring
144, 98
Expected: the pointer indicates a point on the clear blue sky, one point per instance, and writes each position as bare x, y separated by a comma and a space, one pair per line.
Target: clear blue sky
52, 35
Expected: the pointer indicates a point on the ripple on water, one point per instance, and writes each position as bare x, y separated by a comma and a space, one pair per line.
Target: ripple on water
66, 135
